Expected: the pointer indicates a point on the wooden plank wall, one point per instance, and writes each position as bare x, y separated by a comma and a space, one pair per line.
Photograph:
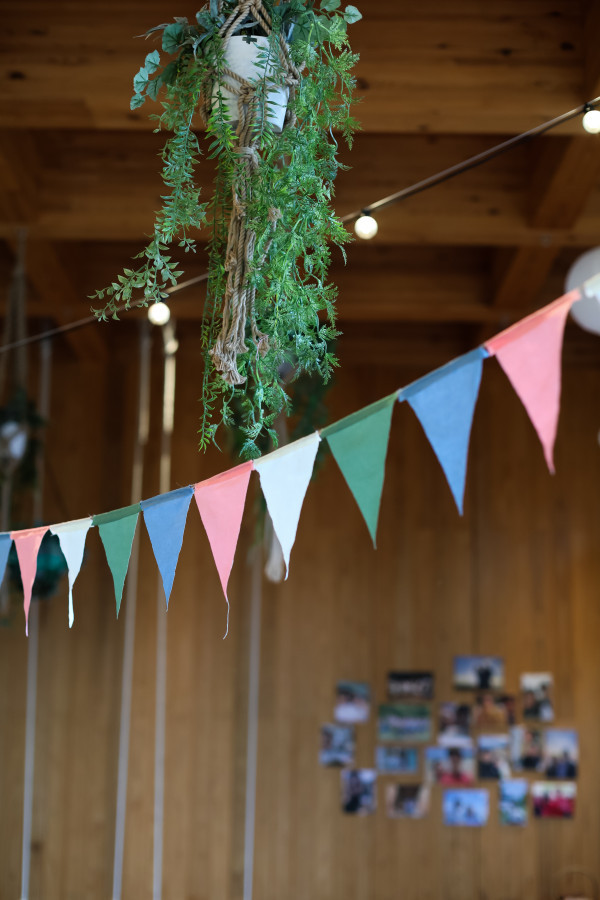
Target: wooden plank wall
518, 576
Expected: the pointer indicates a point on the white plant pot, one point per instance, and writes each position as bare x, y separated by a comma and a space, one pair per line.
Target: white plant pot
241, 57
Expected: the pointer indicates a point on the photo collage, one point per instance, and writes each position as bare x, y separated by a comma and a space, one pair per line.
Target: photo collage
491, 736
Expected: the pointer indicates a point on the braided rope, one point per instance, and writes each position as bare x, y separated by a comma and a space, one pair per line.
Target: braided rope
238, 302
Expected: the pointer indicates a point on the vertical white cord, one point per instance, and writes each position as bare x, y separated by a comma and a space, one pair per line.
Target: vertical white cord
170, 349
252, 735
143, 421
32, 644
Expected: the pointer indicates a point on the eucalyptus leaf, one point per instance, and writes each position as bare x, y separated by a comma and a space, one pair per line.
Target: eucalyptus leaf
352, 14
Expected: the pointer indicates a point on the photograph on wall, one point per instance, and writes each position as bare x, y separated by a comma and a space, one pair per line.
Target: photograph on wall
410, 685
494, 710
537, 696
450, 765
561, 753
526, 748
454, 724
407, 801
359, 795
404, 722
512, 801
397, 760
466, 806
481, 673
337, 745
493, 756
352, 702
553, 799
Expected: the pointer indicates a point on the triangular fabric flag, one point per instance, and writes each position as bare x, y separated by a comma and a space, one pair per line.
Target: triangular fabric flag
72, 537
117, 530
530, 353
444, 403
165, 517
220, 502
359, 444
284, 477
5, 545
27, 544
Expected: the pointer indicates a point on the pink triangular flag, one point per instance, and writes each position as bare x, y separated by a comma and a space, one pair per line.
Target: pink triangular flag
530, 353
27, 544
221, 505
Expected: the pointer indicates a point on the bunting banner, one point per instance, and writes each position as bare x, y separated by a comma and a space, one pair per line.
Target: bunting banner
284, 476
530, 353
27, 544
117, 530
71, 536
444, 403
5, 545
165, 517
359, 445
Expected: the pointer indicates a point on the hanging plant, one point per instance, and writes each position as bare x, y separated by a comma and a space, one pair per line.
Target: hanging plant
271, 82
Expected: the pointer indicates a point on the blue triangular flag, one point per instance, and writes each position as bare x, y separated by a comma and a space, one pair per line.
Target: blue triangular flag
5, 543
165, 517
444, 402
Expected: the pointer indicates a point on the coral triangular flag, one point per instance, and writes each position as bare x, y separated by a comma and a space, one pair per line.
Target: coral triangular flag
71, 536
530, 353
444, 403
359, 444
165, 517
117, 530
5, 545
284, 477
27, 544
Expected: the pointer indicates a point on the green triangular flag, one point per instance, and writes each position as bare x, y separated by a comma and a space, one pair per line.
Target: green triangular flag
359, 444
117, 529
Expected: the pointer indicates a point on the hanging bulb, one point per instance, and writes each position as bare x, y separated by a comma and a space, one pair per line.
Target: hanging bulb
591, 121
159, 313
365, 227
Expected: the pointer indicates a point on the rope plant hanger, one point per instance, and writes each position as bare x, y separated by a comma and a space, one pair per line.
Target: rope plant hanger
270, 81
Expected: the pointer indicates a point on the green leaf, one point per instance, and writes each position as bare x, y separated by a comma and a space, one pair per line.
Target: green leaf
173, 37
329, 5
152, 62
168, 74
136, 101
140, 81
152, 89
352, 14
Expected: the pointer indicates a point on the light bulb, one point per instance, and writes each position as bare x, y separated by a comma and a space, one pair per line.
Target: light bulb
591, 121
365, 227
159, 313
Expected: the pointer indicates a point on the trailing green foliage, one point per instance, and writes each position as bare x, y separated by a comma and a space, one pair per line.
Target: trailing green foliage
294, 303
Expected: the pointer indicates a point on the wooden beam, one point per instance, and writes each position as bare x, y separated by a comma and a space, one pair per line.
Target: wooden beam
524, 273
591, 57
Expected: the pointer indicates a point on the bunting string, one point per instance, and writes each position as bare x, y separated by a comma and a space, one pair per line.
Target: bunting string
444, 401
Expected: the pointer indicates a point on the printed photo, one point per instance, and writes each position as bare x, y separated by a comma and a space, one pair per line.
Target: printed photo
450, 765
513, 801
352, 702
561, 753
410, 685
537, 700
481, 673
337, 745
404, 722
359, 795
494, 710
397, 760
493, 754
454, 724
526, 748
407, 801
466, 806
553, 800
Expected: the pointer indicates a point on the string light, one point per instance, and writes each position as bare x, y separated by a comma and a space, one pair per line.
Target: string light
365, 226
591, 121
159, 313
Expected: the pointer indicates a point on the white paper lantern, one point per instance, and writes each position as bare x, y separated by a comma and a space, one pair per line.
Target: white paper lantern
585, 274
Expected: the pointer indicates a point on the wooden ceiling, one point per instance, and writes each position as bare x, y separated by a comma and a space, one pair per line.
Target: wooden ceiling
441, 80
